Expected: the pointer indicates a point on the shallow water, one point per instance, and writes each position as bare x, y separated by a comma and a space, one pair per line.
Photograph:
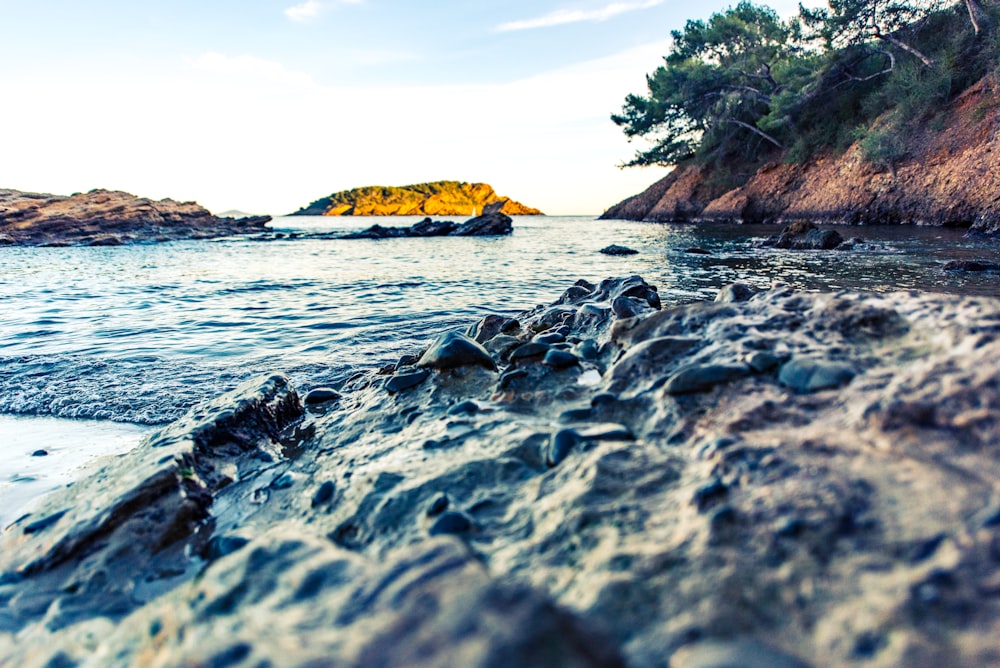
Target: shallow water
140, 333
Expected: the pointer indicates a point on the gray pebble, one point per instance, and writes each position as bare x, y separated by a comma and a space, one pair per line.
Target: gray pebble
454, 350
560, 446
451, 523
703, 377
323, 494
406, 381
321, 395
465, 407
560, 359
438, 505
529, 351
806, 374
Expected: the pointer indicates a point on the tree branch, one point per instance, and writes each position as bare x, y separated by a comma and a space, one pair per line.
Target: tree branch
755, 130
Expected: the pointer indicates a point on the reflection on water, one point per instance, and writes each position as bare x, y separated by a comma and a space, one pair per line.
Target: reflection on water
140, 333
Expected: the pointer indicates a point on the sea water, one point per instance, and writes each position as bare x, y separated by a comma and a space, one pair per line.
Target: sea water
140, 333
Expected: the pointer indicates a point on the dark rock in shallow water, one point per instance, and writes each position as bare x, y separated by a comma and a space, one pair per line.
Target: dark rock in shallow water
454, 350
971, 265
490, 224
618, 250
805, 236
529, 351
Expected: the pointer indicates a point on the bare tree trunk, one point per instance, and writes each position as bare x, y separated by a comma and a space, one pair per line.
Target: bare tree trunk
904, 46
756, 130
980, 21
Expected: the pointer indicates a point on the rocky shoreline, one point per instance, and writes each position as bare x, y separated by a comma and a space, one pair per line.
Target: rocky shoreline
774, 478
110, 218
947, 178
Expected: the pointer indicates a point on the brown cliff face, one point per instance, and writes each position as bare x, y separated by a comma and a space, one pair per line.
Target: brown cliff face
110, 218
440, 198
949, 177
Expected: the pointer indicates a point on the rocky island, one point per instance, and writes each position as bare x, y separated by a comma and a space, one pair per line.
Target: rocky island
440, 198
773, 478
110, 218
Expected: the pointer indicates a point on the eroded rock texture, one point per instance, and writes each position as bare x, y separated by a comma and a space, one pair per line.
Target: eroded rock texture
775, 478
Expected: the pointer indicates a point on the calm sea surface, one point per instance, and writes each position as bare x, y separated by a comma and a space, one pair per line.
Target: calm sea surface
140, 333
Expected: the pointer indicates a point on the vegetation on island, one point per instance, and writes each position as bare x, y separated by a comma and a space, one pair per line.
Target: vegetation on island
746, 86
439, 198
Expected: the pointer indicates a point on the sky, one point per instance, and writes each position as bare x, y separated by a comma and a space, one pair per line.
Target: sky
267, 105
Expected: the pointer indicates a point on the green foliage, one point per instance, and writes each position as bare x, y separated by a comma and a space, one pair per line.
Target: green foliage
746, 86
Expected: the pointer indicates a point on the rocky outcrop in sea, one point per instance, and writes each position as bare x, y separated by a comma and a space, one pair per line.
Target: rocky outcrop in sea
438, 198
110, 218
774, 478
488, 224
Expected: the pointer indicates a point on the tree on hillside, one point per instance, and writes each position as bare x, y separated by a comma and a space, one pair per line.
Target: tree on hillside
717, 85
857, 23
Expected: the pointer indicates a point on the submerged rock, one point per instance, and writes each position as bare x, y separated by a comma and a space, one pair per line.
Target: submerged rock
488, 224
805, 236
615, 249
718, 483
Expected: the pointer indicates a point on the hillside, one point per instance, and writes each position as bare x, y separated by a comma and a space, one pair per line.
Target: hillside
948, 177
857, 113
440, 198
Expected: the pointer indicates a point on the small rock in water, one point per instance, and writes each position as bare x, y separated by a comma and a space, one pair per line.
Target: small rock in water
451, 523
560, 359
762, 362
971, 265
697, 251
614, 249
323, 494
454, 350
40, 453
321, 395
806, 374
406, 381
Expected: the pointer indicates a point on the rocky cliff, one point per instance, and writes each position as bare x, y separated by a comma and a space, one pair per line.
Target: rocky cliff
110, 218
950, 176
773, 479
441, 198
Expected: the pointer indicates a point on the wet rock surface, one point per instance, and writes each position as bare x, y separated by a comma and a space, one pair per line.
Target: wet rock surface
110, 218
774, 478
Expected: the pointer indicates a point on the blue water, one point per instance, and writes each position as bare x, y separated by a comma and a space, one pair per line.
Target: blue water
140, 333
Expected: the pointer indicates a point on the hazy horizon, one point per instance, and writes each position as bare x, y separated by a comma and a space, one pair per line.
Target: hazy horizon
267, 106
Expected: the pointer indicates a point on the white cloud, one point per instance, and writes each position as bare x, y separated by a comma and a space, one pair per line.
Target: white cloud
250, 67
564, 16
310, 9
248, 133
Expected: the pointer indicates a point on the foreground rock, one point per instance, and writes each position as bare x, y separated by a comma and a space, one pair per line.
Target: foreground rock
439, 198
773, 478
110, 218
489, 224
